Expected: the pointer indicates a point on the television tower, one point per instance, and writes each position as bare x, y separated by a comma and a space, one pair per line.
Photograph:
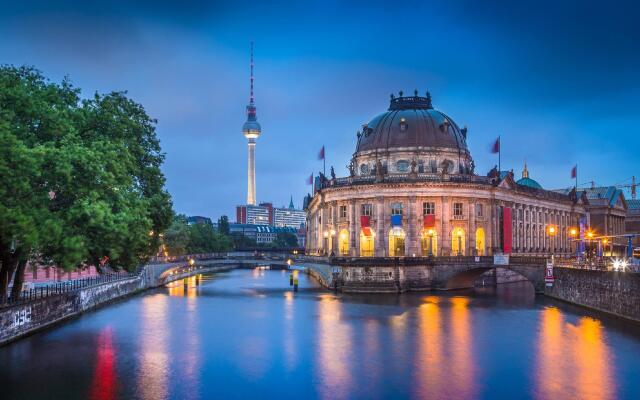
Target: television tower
251, 130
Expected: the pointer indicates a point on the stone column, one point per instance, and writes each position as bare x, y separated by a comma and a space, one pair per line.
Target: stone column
471, 227
354, 232
444, 236
412, 239
334, 226
381, 236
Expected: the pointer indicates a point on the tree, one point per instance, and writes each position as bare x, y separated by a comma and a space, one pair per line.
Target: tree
285, 240
204, 239
223, 225
79, 180
176, 238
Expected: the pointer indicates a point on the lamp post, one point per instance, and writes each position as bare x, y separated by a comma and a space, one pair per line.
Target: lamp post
573, 233
552, 231
326, 241
459, 241
430, 234
332, 233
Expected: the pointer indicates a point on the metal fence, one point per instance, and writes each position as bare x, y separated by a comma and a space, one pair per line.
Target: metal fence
59, 288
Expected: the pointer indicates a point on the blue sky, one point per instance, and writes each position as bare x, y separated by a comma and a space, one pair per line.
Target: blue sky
559, 82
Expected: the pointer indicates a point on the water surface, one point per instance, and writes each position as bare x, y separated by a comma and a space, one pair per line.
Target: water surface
245, 334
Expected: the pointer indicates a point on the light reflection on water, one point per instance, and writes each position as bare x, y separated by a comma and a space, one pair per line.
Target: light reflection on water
573, 359
245, 334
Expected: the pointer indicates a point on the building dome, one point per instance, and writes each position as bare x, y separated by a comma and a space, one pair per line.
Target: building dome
526, 181
529, 183
412, 136
411, 122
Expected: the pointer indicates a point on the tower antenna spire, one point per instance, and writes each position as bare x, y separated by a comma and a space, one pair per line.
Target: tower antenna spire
251, 79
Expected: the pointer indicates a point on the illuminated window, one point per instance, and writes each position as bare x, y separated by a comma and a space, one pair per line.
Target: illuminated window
344, 242
396, 242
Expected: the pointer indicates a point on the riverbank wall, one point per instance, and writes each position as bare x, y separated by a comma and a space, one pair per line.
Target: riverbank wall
616, 293
19, 320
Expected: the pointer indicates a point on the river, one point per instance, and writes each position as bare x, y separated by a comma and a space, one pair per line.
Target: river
245, 334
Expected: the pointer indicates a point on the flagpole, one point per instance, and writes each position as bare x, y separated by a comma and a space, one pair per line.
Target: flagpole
324, 161
499, 154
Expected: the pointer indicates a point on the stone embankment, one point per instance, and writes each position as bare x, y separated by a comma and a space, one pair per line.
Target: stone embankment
612, 292
22, 319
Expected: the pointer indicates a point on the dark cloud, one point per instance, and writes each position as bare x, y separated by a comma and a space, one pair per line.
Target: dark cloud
558, 81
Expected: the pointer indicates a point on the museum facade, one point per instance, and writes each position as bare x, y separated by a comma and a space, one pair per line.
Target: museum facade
412, 191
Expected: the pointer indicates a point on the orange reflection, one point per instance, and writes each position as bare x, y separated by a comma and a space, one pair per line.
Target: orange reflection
104, 377
186, 287
153, 373
431, 374
573, 360
462, 356
334, 347
595, 379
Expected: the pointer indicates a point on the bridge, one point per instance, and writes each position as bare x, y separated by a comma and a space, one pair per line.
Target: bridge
360, 274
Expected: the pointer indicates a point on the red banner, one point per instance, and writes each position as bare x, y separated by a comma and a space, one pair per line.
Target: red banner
364, 221
506, 229
429, 221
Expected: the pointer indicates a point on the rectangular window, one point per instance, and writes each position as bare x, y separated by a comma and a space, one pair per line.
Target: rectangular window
457, 209
428, 208
367, 209
479, 211
343, 212
396, 208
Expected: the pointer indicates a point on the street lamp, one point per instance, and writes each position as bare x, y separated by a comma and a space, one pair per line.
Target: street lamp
191, 261
430, 233
552, 231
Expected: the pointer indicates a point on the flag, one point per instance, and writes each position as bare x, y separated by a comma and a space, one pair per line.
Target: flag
574, 172
321, 154
496, 146
310, 180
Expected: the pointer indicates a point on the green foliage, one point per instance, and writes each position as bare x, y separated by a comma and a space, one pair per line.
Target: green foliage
182, 238
203, 238
101, 158
285, 240
223, 225
176, 238
242, 242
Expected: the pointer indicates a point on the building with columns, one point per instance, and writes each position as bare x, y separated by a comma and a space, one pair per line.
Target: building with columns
412, 190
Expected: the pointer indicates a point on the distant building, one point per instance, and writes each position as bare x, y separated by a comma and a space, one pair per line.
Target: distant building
257, 215
632, 221
262, 234
289, 217
248, 230
607, 209
196, 219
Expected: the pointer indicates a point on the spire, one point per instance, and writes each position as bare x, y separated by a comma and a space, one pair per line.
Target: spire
251, 79
291, 203
525, 171
251, 108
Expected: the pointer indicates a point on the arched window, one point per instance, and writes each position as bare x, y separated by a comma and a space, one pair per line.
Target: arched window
429, 242
396, 242
343, 244
457, 242
367, 242
480, 243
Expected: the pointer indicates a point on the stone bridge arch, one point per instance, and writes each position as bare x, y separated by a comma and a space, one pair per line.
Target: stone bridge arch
463, 276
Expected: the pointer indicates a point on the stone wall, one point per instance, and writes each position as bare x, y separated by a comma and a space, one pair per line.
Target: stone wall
23, 319
612, 292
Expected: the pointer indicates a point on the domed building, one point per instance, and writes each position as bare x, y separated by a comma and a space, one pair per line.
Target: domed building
412, 191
